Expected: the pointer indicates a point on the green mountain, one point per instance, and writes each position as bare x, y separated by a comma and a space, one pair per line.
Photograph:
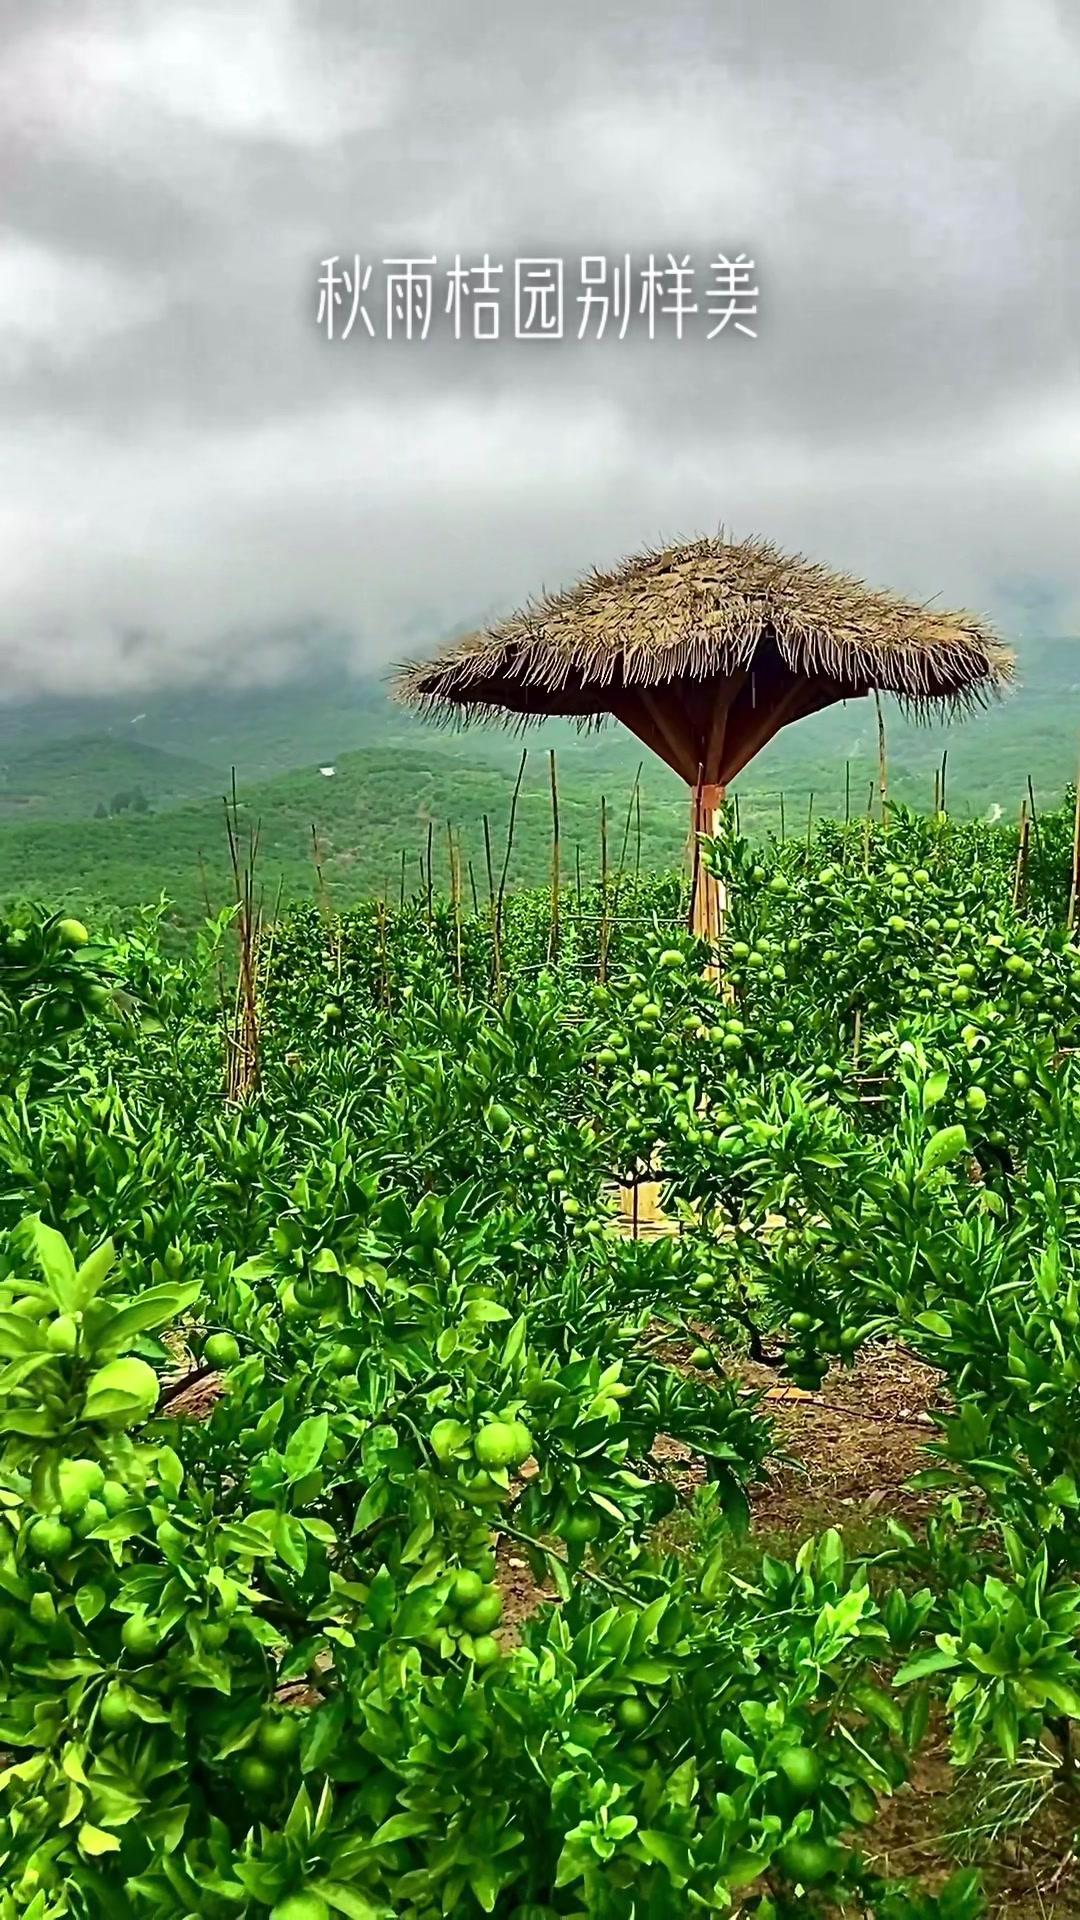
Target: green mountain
394, 780
74, 778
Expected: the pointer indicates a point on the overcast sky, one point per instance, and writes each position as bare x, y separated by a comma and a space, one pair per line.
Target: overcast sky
192, 471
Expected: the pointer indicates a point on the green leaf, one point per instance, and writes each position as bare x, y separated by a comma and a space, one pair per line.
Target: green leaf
923, 1664
95, 1841
346, 1900
935, 1089
94, 1270
57, 1263
322, 1732
89, 1602
305, 1448
935, 1323
157, 1307
400, 1826
672, 1853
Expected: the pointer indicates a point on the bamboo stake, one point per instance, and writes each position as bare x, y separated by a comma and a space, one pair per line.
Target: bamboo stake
603, 940
243, 1062
430, 877
621, 870
506, 866
810, 819
553, 931
321, 893
401, 903
1020, 876
944, 764
455, 897
487, 857
883, 778
1034, 815
847, 792
1075, 886
472, 886
637, 844
384, 985
783, 827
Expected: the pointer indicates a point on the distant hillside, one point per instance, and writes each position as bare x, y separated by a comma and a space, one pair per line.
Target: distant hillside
74, 778
393, 777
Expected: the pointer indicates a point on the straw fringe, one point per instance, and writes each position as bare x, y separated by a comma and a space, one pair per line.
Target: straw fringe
702, 609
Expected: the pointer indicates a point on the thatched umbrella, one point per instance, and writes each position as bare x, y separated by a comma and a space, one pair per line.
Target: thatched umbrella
704, 651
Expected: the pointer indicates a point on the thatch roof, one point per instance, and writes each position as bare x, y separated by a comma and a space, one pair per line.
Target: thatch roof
703, 612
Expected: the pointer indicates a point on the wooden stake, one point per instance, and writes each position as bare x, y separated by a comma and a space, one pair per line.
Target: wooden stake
321, 893
487, 857
553, 932
783, 829
384, 967
1034, 815
472, 888
401, 901
1020, 876
603, 937
847, 791
430, 878
506, 864
810, 819
944, 764
455, 896
621, 869
883, 778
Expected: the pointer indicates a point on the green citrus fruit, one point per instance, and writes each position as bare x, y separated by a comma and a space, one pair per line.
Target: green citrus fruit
484, 1614
139, 1636
93, 1515
121, 1394
221, 1350
581, 1526
467, 1588
116, 1711
802, 1769
486, 1650
78, 1481
116, 1496
808, 1861
278, 1737
499, 1445
256, 1776
633, 1714
50, 1539
72, 933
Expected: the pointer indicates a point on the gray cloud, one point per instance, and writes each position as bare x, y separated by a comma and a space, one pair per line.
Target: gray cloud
189, 465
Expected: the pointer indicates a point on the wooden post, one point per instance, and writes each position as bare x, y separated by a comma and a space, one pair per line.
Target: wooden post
709, 893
